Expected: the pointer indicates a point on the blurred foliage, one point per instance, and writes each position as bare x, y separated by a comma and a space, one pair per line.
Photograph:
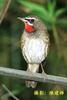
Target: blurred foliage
49, 14
55, 18
1, 3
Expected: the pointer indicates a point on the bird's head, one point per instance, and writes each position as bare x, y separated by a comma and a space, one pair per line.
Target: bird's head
29, 23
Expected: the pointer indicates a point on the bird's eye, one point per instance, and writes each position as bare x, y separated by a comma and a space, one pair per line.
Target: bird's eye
31, 20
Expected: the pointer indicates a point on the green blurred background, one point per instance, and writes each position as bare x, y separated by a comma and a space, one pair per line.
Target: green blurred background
54, 15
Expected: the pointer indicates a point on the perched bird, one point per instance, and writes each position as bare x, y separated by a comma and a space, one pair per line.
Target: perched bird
34, 44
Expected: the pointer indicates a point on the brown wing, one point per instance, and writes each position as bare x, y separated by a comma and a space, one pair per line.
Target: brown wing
22, 41
46, 41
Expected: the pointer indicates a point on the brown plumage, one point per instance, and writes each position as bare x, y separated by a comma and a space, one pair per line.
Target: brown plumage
34, 44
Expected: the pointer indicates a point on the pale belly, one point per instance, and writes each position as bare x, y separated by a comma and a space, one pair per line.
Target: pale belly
35, 51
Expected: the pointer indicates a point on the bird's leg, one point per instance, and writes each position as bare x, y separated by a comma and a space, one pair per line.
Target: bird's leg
43, 72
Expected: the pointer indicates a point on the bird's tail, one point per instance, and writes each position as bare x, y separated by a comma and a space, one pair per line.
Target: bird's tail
32, 68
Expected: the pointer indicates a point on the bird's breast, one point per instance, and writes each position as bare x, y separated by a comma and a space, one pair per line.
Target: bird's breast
34, 50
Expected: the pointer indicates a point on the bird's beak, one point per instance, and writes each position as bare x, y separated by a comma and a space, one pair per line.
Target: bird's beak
22, 19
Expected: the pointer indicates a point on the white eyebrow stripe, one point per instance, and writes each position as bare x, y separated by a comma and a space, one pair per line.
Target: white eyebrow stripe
30, 18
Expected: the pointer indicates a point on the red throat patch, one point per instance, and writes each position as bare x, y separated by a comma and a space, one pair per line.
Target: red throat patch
29, 28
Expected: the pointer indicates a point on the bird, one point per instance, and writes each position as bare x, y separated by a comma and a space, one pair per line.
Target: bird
34, 44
